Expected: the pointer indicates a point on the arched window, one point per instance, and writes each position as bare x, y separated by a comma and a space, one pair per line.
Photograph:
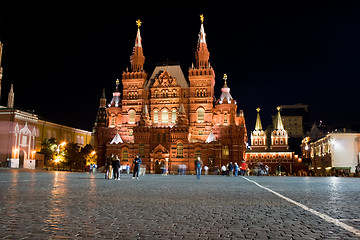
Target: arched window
225, 118
141, 150
173, 116
125, 155
180, 150
200, 115
164, 117
156, 116
131, 116
225, 151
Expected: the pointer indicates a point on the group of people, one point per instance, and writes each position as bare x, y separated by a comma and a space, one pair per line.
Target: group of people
234, 169
113, 167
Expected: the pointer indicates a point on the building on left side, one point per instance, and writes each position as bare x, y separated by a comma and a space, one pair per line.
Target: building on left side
22, 132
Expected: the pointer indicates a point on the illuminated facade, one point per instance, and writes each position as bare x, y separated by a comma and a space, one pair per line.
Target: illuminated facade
169, 119
22, 132
335, 153
276, 155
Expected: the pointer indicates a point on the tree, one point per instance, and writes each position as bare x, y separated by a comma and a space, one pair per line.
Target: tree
48, 148
72, 156
89, 154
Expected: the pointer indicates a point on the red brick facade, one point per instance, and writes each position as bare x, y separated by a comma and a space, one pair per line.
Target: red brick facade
169, 120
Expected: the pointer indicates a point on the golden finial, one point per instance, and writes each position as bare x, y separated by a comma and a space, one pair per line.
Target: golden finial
278, 108
117, 82
202, 18
258, 109
225, 77
138, 23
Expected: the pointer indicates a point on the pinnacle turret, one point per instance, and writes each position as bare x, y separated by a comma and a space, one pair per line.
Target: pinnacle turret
202, 54
137, 58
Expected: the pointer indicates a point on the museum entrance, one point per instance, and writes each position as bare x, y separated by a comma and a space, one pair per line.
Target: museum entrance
159, 166
21, 159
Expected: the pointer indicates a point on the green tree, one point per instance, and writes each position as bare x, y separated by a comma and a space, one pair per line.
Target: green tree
48, 148
72, 156
89, 155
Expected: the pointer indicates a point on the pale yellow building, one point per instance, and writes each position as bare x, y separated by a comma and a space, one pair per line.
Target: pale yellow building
21, 135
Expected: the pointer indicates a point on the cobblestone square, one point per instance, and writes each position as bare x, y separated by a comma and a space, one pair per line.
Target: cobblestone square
60, 205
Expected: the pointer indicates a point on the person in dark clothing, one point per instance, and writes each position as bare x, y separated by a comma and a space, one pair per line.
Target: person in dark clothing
198, 167
231, 169
116, 168
136, 162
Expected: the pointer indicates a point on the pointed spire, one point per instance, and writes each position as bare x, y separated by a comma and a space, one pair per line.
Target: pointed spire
182, 109
101, 117
138, 37
137, 58
145, 110
202, 34
279, 124
103, 99
10, 103
202, 54
258, 125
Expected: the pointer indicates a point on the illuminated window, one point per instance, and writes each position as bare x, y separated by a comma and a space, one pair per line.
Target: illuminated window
164, 117
200, 115
225, 151
156, 116
179, 150
173, 116
141, 150
131, 116
225, 118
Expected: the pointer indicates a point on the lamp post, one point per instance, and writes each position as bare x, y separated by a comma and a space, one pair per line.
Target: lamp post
58, 158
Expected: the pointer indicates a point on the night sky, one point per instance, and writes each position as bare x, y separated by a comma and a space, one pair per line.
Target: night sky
60, 57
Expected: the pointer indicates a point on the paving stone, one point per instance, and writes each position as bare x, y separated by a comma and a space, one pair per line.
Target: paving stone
49, 205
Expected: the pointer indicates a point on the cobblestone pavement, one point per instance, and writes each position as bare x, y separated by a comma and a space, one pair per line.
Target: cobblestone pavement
52, 205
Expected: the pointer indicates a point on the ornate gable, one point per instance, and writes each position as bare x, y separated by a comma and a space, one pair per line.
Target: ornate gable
165, 80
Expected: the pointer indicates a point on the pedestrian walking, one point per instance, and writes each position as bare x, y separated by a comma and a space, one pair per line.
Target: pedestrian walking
223, 170
198, 167
116, 168
243, 168
236, 169
206, 169
136, 162
127, 169
231, 169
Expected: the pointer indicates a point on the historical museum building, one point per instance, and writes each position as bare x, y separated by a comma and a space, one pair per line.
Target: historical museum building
273, 152
168, 118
